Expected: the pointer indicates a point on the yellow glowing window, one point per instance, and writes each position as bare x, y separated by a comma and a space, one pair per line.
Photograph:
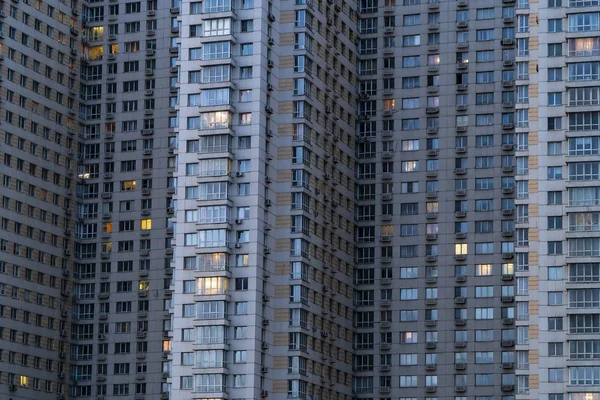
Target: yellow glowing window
96, 33
212, 285
144, 285
166, 345
387, 230
107, 227
128, 185
106, 247
23, 381
460, 249
113, 49
96, 52
483, 269
146, 224
388, 105
508, 269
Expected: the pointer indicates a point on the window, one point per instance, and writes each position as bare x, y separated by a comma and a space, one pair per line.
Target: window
410, 103
483, 269
554, 74
554, 173
485, 13
555, 25
554, 98
554, 49
555, 298
554, 198
556, 374
485, 77
485, 34
246, 49
411, 19
411, 61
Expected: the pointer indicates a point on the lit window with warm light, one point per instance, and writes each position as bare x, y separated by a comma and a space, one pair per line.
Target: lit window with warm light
146, 224
107, 227
128, 186
144, 285
460, 249
508, 269
212, 285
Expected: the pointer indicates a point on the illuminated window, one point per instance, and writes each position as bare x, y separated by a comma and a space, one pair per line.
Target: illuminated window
144, 285
508, 269
212, 285
146, 224
388, 105
127, 186
107, 227
387, 230
410, 166
460, 249
483, 269
166, 345
23, 381
95, 53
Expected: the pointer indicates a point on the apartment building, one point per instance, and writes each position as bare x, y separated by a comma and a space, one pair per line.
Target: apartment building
317, 200
87, 191
558, 46
265, 211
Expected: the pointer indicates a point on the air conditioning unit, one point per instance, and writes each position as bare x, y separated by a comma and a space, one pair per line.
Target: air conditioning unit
268, 203
239, 174
270, 64
238, 221
238, 246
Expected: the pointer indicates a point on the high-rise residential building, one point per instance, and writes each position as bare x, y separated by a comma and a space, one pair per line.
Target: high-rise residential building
245, 199
345, 217
87, 182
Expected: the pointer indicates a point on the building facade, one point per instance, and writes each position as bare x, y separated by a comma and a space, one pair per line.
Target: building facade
299, 200
86, 255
